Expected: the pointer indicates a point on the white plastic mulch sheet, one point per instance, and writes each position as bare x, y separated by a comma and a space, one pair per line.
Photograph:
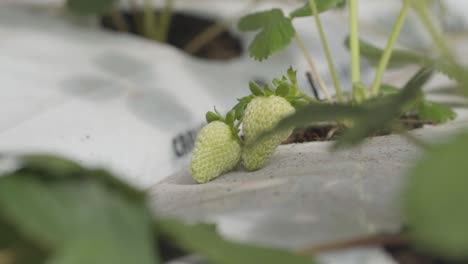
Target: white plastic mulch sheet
122, 102
110, 99
102, 98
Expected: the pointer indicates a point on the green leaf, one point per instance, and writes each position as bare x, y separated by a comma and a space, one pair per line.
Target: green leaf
56, 216
51, 168
268, 90
255, 89
368, 118
457, 72
240, 107
292, 75
435, 112
231, 117
283, 89
399, 58
314, 113
17, 247
436, 199
211, 117
276, 32
90, 7
322, 6
386, 89
381, 112
206, 242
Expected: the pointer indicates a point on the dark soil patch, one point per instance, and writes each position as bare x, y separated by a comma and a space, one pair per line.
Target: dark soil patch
314, 133
405, 254
168, 250
398, 246
332, 132
183, 29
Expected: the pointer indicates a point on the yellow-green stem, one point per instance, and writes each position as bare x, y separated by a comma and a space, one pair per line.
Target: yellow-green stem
389, 48
354, 41
215, 30
326, 48
150, 21
420, 7
315, 73
165, 21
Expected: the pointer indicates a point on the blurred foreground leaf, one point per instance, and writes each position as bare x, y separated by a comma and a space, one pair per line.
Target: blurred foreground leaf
52, 169
322, 6
435, 112
75, 217
382, 112
90, 7
206, 242
399, 57
436, 199
54, 211
367, 118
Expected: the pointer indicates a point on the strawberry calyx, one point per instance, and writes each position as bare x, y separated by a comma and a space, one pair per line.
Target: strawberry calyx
229, 120
285, 87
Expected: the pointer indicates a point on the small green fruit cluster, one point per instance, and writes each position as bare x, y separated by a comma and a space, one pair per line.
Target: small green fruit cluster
219, 148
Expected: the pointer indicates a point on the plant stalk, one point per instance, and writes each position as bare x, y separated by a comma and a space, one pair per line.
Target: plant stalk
150, 20
165, 21
205, 37
326, 48
354, 41
419, 6
215, 30
389, 48
309, 60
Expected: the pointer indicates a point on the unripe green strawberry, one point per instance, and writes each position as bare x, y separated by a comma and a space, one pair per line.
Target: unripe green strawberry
262, 114
217, 150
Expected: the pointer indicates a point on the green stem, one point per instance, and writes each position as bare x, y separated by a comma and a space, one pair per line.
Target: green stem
326, 47
165, 21
315, 73
354, 42
389, 49
149, 18
420, 8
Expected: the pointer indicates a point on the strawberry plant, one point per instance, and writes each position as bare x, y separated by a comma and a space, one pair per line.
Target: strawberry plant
269, 116
434, 207
435, 198
219, 147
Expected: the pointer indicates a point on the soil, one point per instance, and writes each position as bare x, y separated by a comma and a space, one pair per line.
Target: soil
168, 251
184, 28
332, 132
398, 246
405, 254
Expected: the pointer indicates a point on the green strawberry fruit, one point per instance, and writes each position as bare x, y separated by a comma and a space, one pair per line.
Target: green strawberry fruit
217, 148
262, 114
